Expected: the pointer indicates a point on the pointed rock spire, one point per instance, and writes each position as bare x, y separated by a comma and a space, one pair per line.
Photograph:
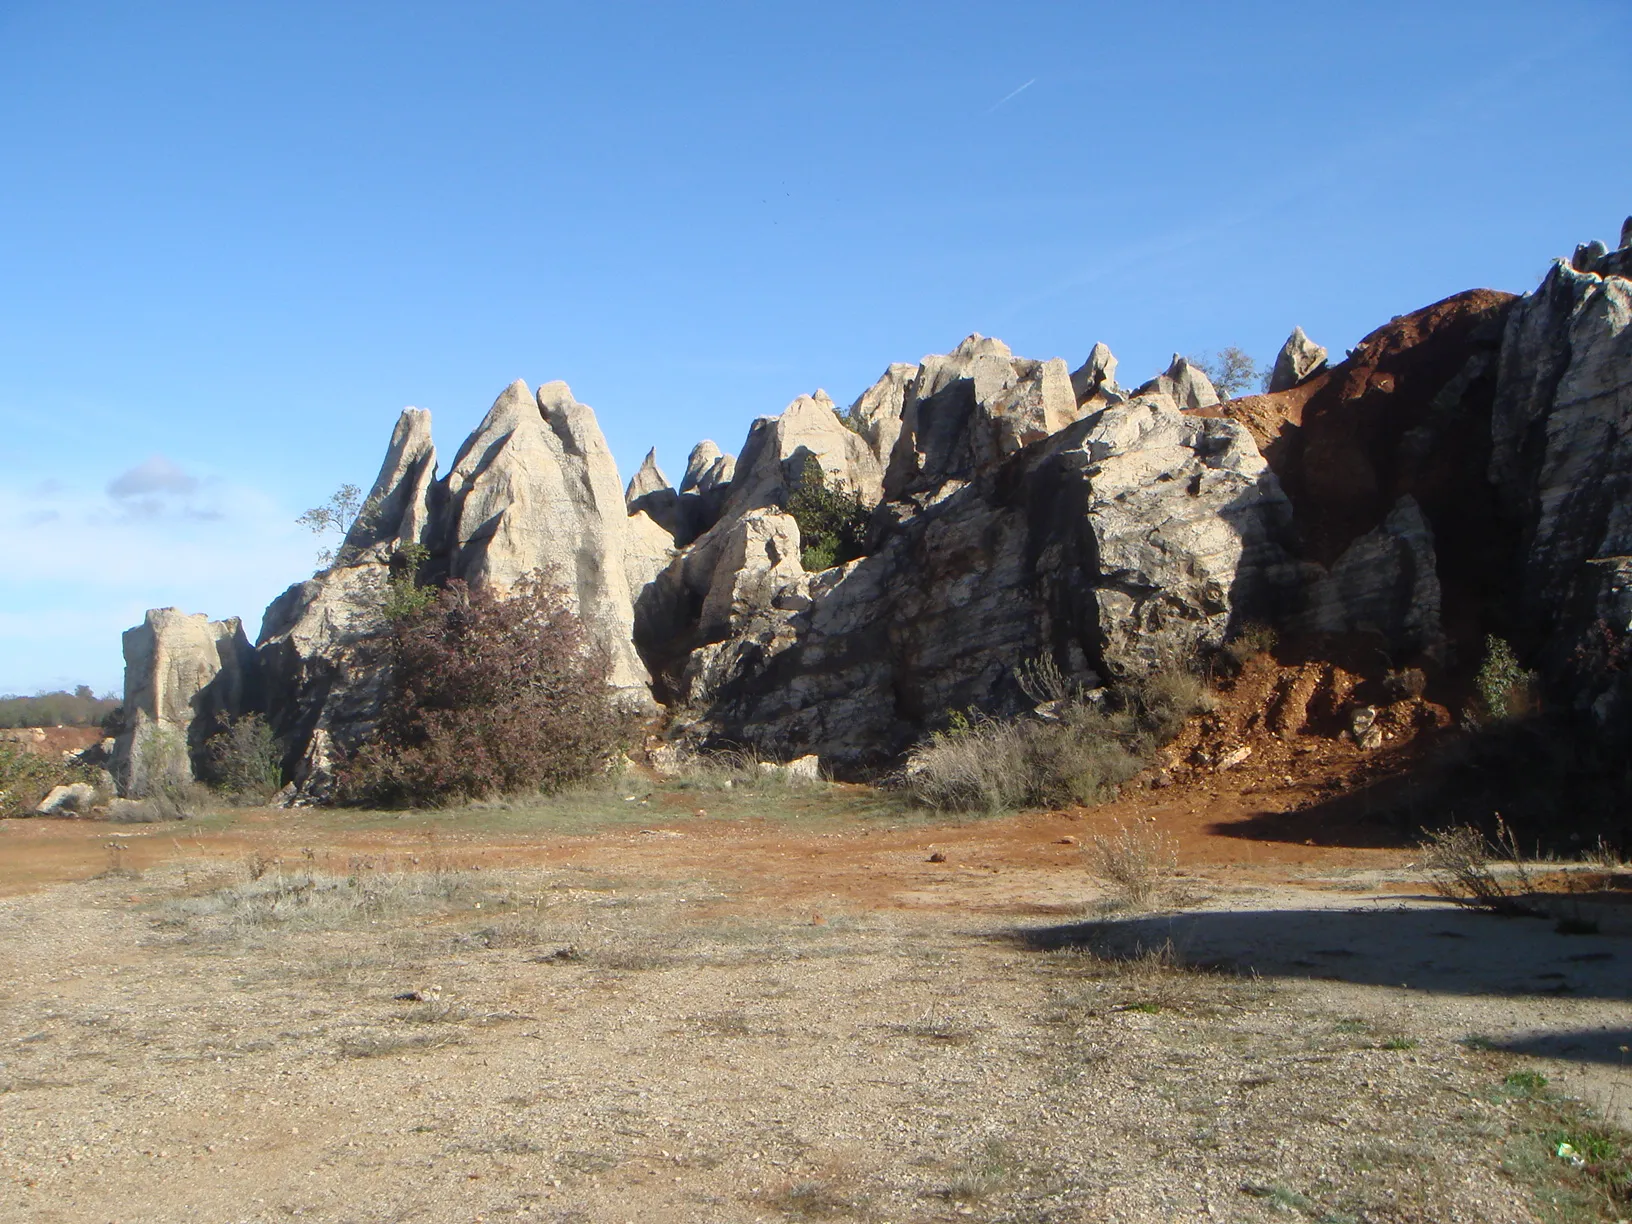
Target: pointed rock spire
1300, 358
1185, 383
649, 479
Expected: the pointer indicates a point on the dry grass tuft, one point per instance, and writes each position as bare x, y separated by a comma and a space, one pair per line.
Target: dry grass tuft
1461, 862
1137, 863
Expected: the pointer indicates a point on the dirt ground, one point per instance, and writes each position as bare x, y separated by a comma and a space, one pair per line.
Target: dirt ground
729, 1017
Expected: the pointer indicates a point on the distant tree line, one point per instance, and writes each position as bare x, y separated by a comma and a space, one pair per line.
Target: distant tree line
80, 708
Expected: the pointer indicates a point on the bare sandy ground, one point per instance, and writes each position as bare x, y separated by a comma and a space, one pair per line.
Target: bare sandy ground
705, 1020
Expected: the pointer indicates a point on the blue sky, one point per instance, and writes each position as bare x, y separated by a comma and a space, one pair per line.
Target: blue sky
235, 240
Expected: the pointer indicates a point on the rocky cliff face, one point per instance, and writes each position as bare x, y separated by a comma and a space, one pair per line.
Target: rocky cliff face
184, 672
1463, 471
1009, 529
1561, 461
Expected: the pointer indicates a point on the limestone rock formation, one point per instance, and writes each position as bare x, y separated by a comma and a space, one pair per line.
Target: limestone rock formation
322, 656
876, 414
707, 468
1186, 384
1562, 460
649, 479
183, 672
535, 486
1299, 360
1094, 381
1119, 542
1385, 583
777, 446
647, 550
399, 508
965, 411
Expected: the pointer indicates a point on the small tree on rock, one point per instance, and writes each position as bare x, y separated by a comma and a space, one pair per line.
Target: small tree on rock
832, 519
1231, 370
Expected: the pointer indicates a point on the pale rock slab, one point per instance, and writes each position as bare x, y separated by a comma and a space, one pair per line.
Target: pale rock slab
1299, 360
184, 672
776, 447
649, 479
876, 414
966, 411
1386, 583
1562, 459
399, 509
1184, 383
1094, 381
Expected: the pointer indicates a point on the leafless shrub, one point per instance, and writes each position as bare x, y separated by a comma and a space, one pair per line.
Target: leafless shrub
1461, 860
1137, 861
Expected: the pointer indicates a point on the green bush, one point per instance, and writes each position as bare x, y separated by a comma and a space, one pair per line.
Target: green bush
832, 519
1503, 689
243, 759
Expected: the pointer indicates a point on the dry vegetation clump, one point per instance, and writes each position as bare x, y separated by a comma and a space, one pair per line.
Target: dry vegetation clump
1075, 750
308, 899
27, 777
488, 696
1466, 867
1137, 862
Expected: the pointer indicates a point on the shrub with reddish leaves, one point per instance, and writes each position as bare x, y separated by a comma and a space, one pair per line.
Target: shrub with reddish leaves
488, 696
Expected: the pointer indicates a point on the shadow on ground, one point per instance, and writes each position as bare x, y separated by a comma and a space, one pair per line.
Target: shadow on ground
1416, 945
1612, 1046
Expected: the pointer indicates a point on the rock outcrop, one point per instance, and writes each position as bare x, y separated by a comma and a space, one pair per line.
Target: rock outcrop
184, 673
1110, 545
1094, 381
971, 408
536, 487
1299, 360
1562, 461
778, 447
1465, 470
1183, 382
401, 507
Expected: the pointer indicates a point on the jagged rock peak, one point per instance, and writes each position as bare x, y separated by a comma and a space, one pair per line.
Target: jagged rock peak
649, 479
701, 467
1626, 235
1300, 359
398, 508
1096, 376
966, 410
812, 425
876, 414
1184, 383
535, 486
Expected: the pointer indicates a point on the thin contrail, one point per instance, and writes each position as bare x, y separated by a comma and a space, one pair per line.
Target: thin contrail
1011, 96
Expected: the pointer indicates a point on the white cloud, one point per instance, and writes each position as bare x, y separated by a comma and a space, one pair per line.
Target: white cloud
154, 475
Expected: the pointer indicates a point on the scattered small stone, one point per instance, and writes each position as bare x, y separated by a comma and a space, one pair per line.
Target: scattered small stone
1067, 840
1234, 757
937, 857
